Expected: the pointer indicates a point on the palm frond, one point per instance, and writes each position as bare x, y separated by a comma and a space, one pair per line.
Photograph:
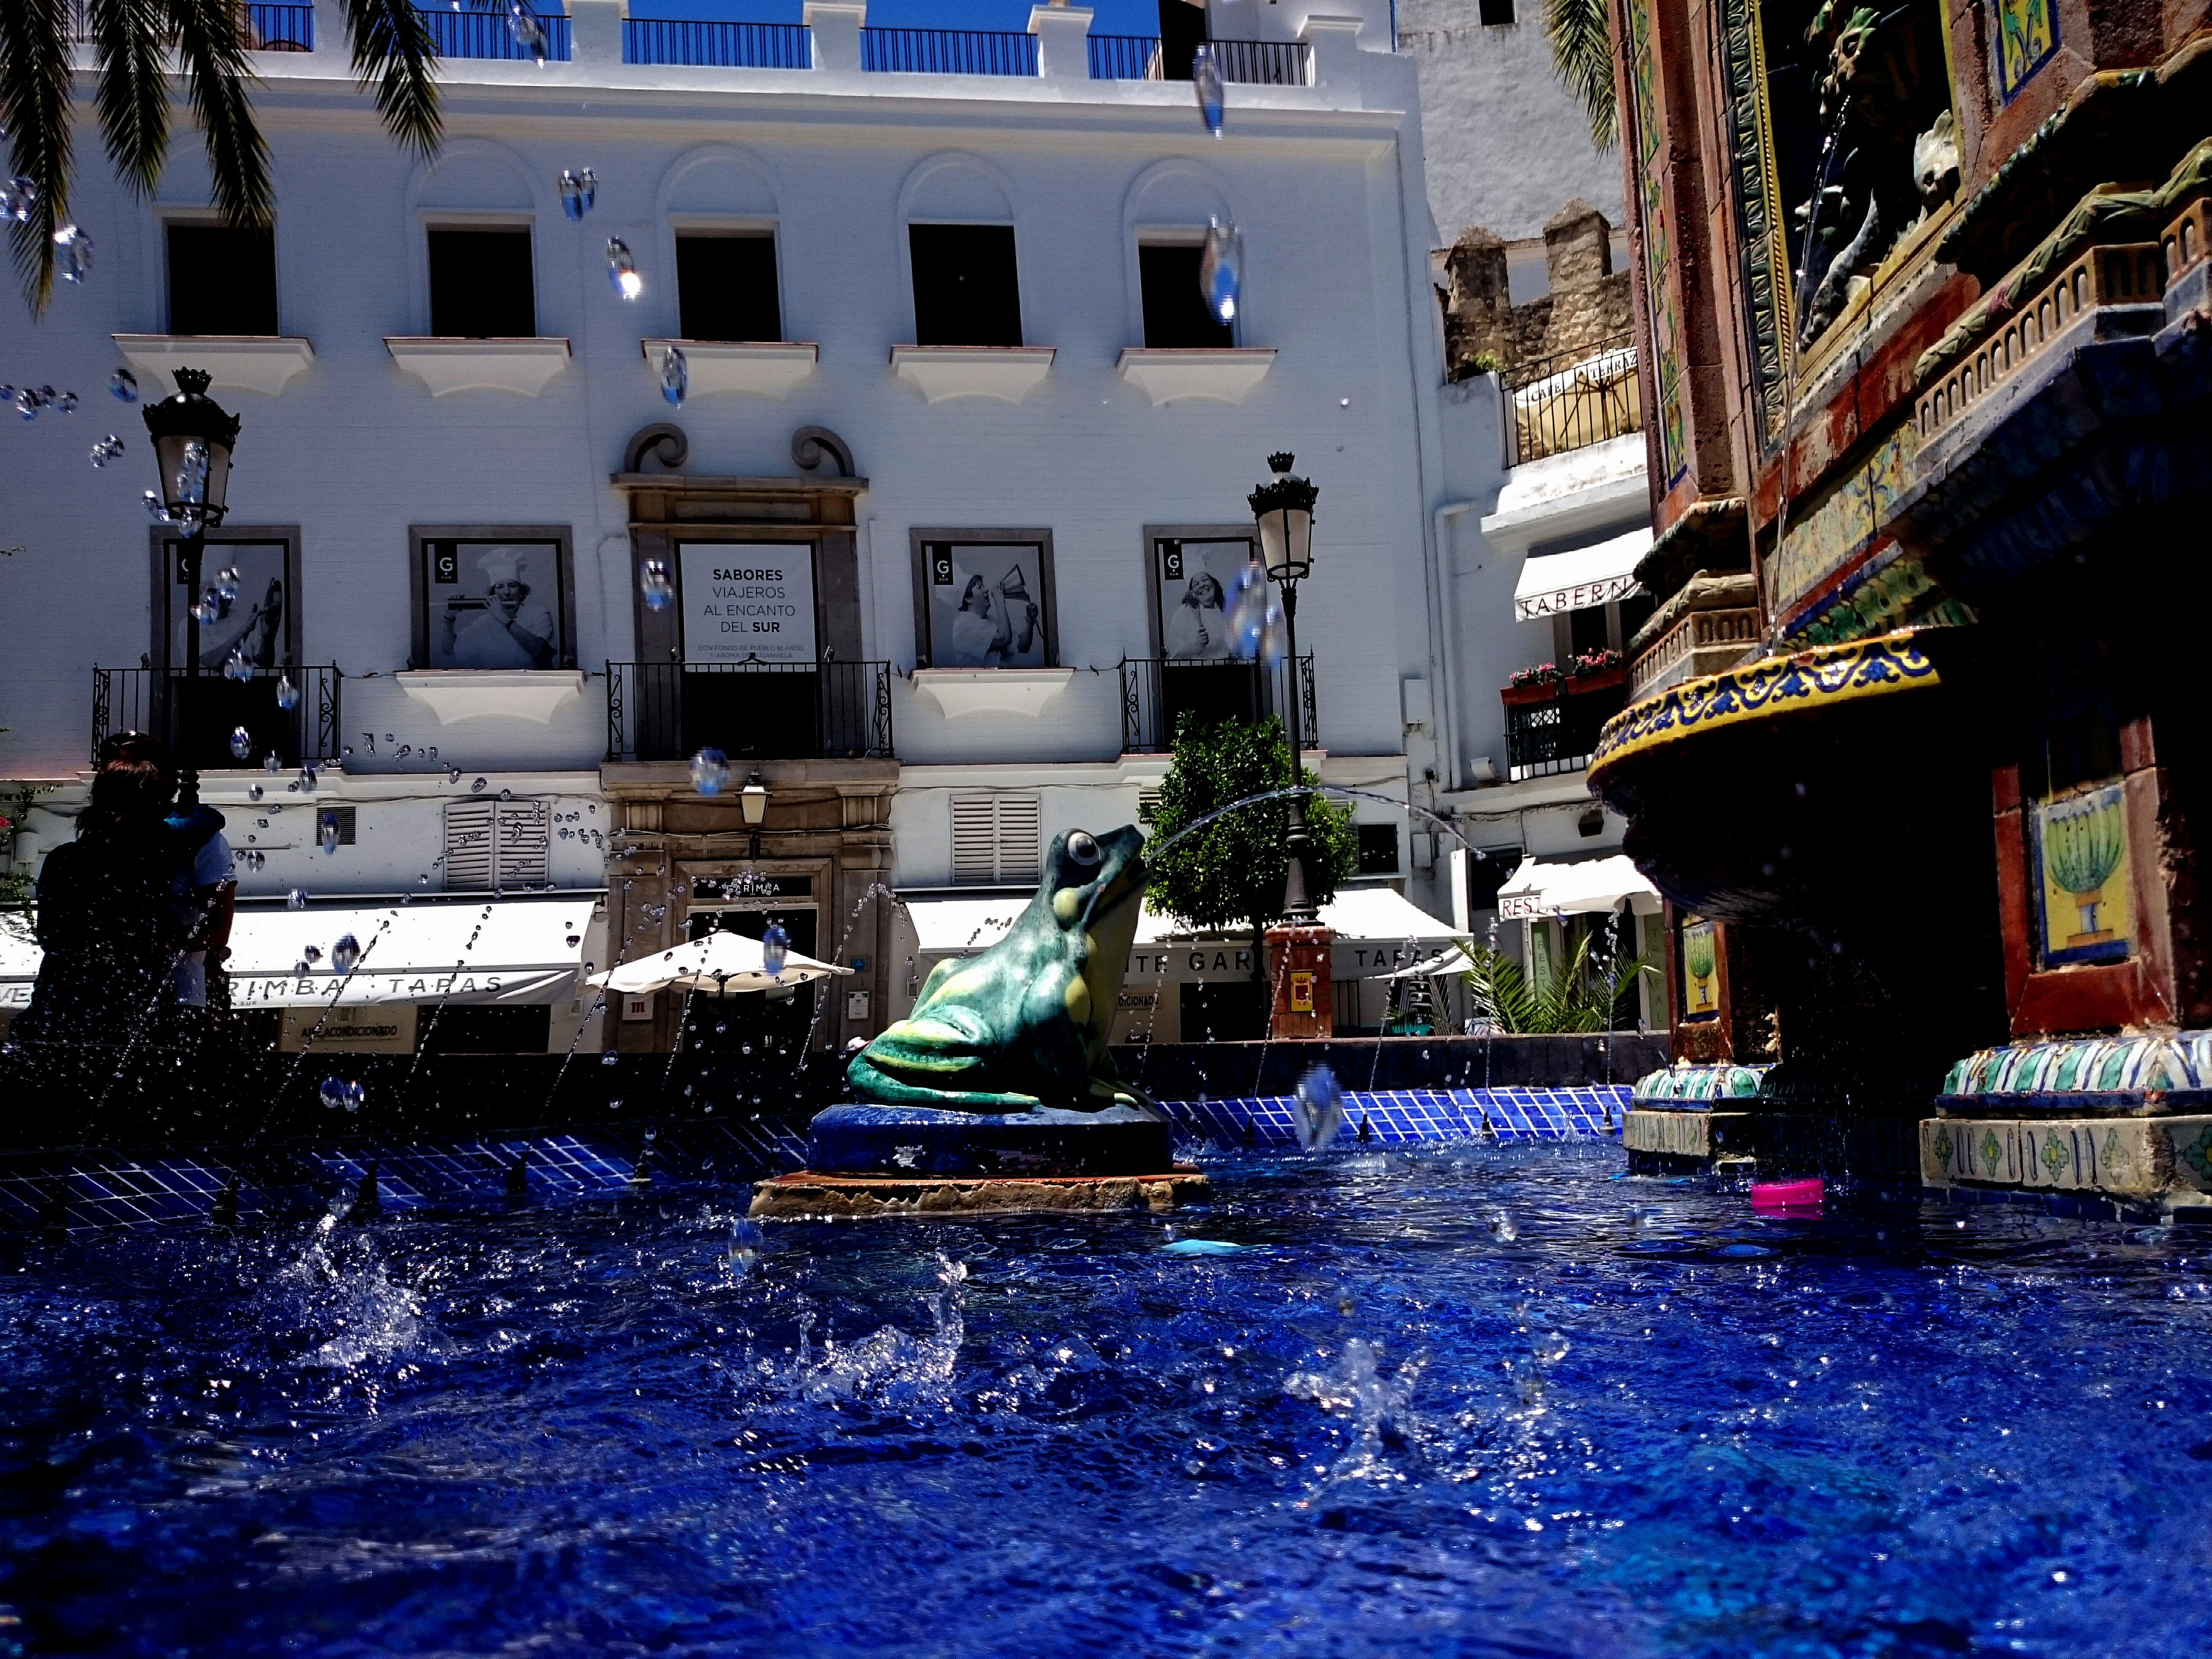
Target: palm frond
1572, 998
34, 106
1582, 55
392, 53
211, 43
131, 38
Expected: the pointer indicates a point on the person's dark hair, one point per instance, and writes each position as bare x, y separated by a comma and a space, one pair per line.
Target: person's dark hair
130, 792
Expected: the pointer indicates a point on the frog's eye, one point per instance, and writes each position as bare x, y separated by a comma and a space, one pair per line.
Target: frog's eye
1084, 850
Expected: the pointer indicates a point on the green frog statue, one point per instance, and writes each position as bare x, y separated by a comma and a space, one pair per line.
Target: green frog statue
1024, 1024
1003, 1066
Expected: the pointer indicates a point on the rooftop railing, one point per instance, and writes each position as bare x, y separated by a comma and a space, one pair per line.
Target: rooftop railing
718, 45
1248, 62
270, 27
1573, 400
469, 33
948, 52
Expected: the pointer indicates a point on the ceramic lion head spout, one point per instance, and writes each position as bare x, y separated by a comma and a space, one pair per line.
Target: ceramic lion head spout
1024, 1023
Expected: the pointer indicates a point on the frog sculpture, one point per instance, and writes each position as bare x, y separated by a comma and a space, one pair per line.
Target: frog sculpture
1023, 1025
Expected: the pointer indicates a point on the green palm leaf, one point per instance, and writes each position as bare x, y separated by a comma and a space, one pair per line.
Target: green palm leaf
35, 100
1582, 55
391, 48
129, 38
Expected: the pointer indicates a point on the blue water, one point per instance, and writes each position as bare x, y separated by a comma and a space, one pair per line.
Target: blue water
1457, 1400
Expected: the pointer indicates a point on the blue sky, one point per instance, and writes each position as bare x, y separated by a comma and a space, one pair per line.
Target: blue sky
1111, 16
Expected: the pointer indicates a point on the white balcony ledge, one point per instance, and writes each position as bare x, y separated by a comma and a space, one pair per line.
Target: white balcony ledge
1195, 374
235, 362
766, 369
959, 691
454, 695
1008, 374
524, 366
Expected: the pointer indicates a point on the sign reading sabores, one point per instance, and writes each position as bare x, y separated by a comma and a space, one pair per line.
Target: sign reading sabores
748, 600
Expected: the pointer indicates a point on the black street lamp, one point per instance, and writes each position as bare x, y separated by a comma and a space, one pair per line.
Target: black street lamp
1283, 508
192, 438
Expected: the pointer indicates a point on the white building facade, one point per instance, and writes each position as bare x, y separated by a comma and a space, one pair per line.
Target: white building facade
974, 378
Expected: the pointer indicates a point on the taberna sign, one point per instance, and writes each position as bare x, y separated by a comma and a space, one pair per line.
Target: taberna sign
748, 601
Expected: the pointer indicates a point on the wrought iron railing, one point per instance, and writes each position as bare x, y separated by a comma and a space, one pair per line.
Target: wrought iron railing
949, 51
1571, 400
1156, 692
1547, 735
1249, 62
270, 28
758, 711
721, 45
472, 34
196, 715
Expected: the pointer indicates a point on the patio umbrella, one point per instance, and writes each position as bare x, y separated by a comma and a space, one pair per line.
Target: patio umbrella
720, 961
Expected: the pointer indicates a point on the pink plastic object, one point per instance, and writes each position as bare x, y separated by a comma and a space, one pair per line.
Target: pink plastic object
1785, 1194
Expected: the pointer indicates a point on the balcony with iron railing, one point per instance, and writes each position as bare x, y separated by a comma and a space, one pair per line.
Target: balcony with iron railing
1571, 400
1246, 63
468, 32
659, 711
1552, 724
1156, 692
198, 716
718, 45
948, 52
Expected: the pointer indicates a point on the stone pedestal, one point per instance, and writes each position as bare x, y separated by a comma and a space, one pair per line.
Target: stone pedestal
1299, 970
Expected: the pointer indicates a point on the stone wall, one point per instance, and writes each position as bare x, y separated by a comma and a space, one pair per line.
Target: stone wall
1589, 302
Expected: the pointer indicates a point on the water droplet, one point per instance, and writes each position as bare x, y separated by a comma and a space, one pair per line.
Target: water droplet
124, 384
621, 269
653, 583
241, 742
506, 794
333, 1092
1274, 633
710, 771
477, 788
1318, 1108
606, 1059
191, 474
227, 581
675, 376
72, 254
66, 403
1221, 270
1205, 81
1248, 611
1549, 1348
529, 33
579, 192
27, 403
326, 831
106, 450
287, 695
307, 780
268, 761
18, 199
345, 953
235, 667
312, 954
253, 791
776, 949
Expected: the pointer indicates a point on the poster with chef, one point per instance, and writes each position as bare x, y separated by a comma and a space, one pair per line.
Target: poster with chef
987, 605
493, 605
1194, 581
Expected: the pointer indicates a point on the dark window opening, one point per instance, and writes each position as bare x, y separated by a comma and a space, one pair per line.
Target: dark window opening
1587, 630
1182, 26
1487, 871
725, 287
965, 291
222, 280
490, 1029
481, 285
1378, 850
1175, 313
1495, 13
1223, 1010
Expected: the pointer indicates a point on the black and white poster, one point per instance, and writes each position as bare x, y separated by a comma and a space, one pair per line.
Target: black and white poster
258, 618
492, 604
1195, 582
748, 601
987, 605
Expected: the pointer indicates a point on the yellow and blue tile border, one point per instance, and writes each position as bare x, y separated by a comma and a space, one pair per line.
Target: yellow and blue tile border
1880, 666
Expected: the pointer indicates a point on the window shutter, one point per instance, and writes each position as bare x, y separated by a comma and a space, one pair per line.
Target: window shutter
469, 845
995, 838
493, 844
523, 841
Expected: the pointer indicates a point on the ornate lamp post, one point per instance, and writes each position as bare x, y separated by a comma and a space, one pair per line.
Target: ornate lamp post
192, 438
1283, 508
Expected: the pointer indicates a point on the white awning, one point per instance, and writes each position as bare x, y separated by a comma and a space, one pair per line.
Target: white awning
721, 963
1454, 961
489, 951
954, 925
1547, 887
1553, 583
